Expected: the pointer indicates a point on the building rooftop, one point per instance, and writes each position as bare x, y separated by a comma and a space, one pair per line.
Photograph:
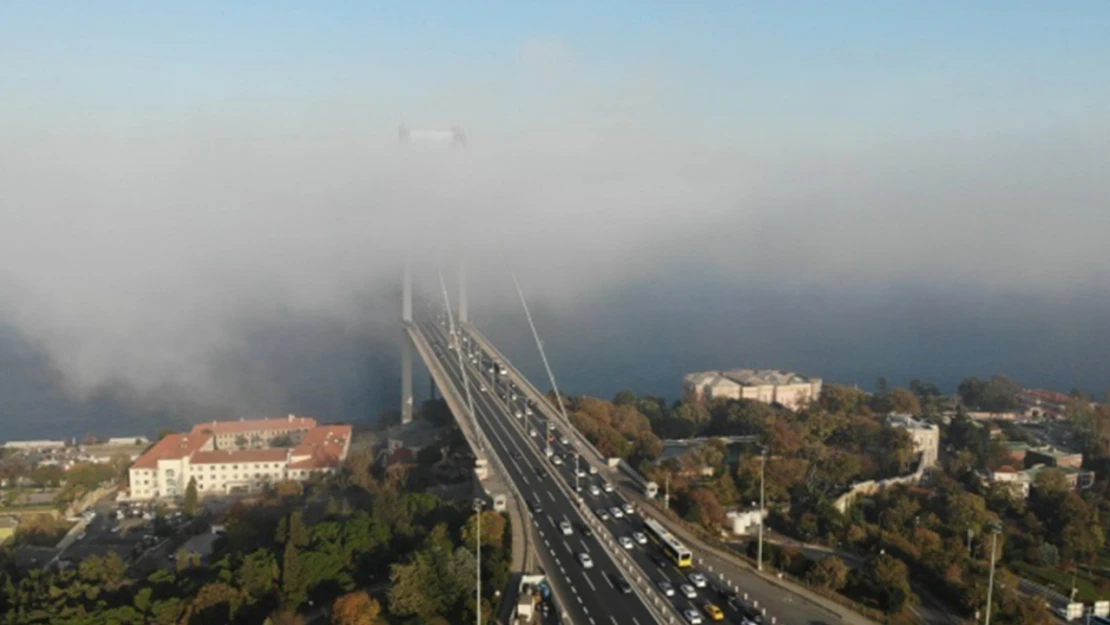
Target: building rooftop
903, 420
322, 447
242, 426
1054, 452
8, 522
240, 455
173, 446
748, 377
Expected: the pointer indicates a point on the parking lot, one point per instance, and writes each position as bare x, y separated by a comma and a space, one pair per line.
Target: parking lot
129, 532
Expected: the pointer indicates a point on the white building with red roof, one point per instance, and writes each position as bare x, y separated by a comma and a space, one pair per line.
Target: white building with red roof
212, 454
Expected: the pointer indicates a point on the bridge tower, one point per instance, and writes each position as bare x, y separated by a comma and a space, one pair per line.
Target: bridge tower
406, 136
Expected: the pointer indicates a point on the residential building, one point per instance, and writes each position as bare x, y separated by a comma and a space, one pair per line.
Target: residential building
255, 433
33, 445
127, 441
210, 455
926, 437
769, 386
1022, 481
1053, 457
1017, 451
1044, 403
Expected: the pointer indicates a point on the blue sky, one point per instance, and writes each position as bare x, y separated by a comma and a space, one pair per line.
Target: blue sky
789, 71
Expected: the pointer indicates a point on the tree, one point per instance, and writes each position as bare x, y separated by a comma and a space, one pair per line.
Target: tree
241, 441
258, 574
293, 587
829, 572
190, 503
703, 507
493, 529
356, 608
902, 400
999, 394
281, 441
887, 580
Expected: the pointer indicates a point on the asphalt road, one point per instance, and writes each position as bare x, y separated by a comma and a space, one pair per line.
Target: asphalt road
784, 606
590, 595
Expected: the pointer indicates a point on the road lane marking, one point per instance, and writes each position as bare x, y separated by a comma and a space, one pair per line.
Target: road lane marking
589, 581
608, 581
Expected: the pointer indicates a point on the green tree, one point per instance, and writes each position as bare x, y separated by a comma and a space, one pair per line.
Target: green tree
493, 529
887, 580
829, 572
190, 503
258, 574
293, 584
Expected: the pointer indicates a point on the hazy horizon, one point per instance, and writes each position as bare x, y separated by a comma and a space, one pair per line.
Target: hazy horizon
204, 209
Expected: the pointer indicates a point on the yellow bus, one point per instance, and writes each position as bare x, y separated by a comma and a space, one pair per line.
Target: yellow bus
675, 550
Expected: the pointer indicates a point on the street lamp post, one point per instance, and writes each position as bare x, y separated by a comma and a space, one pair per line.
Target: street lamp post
478, 504
577, 488
762, 472
990, 580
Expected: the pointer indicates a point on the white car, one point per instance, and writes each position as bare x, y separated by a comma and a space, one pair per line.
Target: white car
639, 537
532, 432
563, 440
484, 389
688, 591
602, 514
518, 414
593, 470
607, 487
557, 459
528, 410
697, 579
580, 472
594, 490
616, 512
628, 509
586, 560
692, 616
565, 526
666, 588
626, 542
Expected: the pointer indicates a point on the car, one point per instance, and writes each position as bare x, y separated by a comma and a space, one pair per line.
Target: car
623, 586
563, 440
602, 514
512, 396
658, 560
666, 588
626, 542
692, 616
585, 530
616, 512
547, 451
593, 470
688, 591
628, 509
586, 560
580, 472
607, 487
537, 506
518, 414
697, 579
557, 459
528, 411
81, 536
565, 526
639, 537
540, 471
594, 490
713, 612
483, 389
515, 454
532, 432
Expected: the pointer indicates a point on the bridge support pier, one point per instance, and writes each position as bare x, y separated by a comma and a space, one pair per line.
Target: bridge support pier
406, 348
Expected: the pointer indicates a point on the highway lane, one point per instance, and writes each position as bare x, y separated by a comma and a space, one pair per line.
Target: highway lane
785, 606
594, 590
